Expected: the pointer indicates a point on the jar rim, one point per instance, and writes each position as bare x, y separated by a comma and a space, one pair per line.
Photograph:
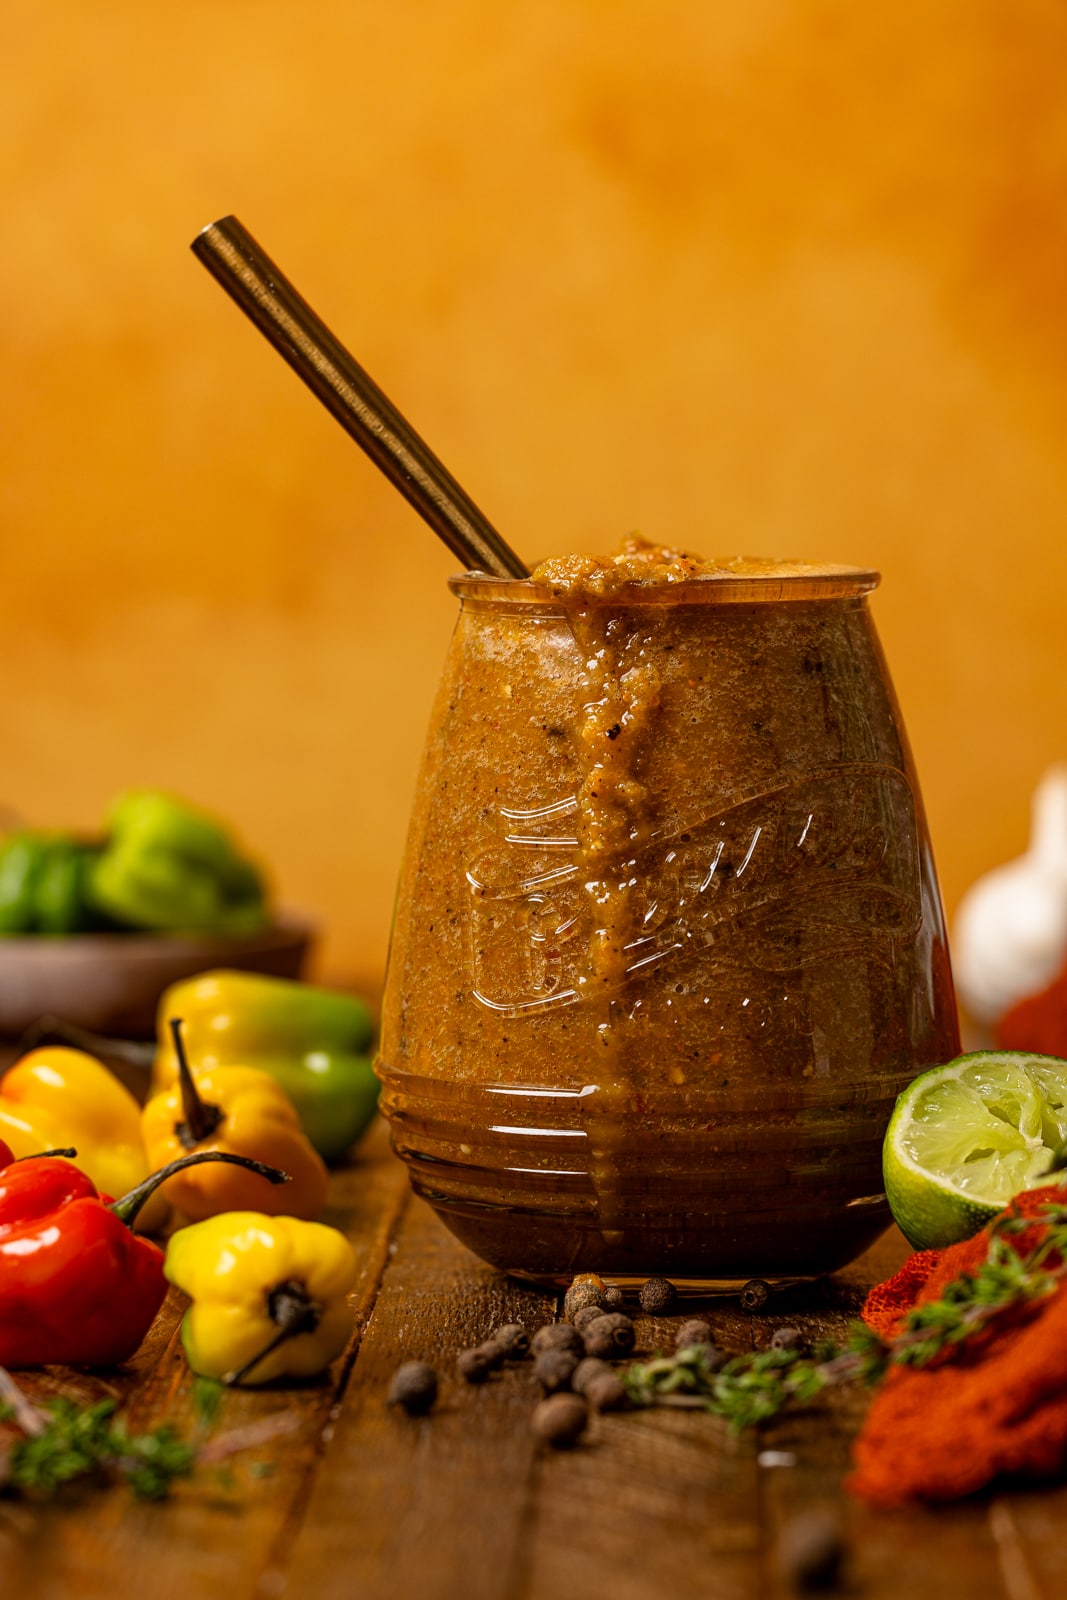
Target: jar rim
825, 582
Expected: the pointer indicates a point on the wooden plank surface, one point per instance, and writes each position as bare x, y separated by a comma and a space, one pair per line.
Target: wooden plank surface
360, 1500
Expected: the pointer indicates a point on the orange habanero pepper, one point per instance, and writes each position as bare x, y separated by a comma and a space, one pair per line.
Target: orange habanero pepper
242, 1111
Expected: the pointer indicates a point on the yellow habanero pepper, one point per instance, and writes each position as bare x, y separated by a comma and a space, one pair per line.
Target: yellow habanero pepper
268, 1296
239, 1111
58, 1098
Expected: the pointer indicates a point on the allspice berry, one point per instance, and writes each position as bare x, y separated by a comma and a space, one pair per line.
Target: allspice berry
787, 1339
755, 1294
554, 1369
557, 1336
586, 1315
476, 1364
586, 1290
513, 1340
610, 1336
605, 1392
614, 1299
414, 1387
811, 1551
695, 1331
588, 1369
560, 1420
658, 1297
714, 1358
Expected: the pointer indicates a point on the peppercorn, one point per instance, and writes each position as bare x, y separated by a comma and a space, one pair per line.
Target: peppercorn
513, 1340
586, 1315
714, 1358
614, 1299
605, 1392
658, 1297
560, 1420
787, 1339
476, 1364
811, 1549
554, 1369
556, 1336
588, 1368
609, 1336
586, 1290
755, 1294
414, 1387
695, 1331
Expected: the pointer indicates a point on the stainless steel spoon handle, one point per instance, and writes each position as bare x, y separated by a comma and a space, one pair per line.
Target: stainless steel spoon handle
266, 296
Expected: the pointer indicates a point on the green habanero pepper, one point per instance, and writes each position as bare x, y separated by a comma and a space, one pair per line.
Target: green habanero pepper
61, 898
22, 856
315, 1042
43, 884
168, 867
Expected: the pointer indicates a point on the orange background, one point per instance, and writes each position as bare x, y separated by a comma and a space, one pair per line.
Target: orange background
786, 278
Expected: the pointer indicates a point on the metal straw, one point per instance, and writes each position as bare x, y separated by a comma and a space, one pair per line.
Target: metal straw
265, 295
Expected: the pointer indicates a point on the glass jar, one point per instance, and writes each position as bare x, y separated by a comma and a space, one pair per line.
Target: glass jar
665, 1035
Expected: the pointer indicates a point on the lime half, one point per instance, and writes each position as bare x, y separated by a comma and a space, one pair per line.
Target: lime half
964, 1138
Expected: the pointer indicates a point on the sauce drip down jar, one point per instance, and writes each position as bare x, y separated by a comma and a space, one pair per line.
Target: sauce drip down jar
668, 939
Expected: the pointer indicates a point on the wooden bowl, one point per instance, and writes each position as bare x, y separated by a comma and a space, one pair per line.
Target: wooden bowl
111, 982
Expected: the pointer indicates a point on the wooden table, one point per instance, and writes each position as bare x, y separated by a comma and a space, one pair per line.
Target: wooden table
358, 1502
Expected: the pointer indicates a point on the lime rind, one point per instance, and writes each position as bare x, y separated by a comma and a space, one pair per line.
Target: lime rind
966, 1137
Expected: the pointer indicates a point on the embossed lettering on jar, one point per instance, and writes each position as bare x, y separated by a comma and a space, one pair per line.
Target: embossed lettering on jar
668, 938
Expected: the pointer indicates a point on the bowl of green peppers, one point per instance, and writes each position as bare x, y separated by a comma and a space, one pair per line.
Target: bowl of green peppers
95, 929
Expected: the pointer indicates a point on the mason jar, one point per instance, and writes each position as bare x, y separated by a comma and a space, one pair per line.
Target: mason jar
657, 974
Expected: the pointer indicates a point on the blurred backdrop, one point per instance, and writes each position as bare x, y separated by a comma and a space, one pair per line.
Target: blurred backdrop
775, 277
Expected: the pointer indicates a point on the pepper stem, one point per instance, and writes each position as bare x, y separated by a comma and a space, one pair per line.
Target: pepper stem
292, 1308
128, 1207
201, 1119
39, 1155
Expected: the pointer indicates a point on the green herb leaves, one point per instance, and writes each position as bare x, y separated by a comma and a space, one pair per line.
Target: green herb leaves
746, 1391
83, 1441
749, 1389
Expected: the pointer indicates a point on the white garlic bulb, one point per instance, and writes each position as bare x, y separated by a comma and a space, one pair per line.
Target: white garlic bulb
1010, 933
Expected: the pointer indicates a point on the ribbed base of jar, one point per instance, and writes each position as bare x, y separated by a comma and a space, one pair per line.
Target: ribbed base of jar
716, 1254
713, 1199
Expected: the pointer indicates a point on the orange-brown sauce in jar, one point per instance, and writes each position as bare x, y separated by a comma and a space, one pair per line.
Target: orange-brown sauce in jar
668, 940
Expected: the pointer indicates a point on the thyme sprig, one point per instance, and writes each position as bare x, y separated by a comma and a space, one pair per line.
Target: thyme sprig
747, 1390
751, 1388
1005, 1282
64, 1442
84, 1441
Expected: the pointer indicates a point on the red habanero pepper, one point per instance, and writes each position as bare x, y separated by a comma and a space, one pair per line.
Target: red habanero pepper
77, 1285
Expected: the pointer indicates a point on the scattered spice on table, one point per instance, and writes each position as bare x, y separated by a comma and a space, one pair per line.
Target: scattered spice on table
560, 1420
413, 1388
695, 1330
554, 1369
557, 1336
475, 1364
810, 1551
586, 1315
979, 1389
585, 1290
658, 1297
611, 1335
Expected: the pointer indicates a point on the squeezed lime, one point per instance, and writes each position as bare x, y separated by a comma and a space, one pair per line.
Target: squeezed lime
966, 1137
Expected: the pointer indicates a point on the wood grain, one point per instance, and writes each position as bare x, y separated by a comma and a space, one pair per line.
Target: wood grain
219, 1531
361, 1500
